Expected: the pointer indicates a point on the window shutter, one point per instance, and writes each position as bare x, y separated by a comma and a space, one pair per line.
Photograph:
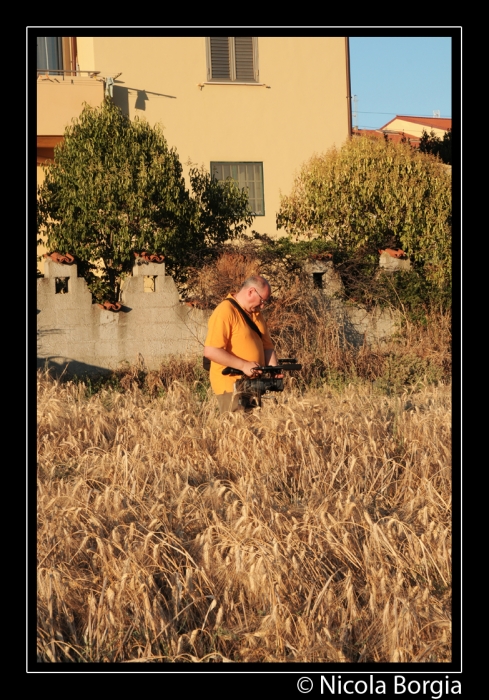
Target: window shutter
220, 57
243, 46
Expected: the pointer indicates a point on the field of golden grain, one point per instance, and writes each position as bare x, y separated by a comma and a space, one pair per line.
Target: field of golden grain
316, 529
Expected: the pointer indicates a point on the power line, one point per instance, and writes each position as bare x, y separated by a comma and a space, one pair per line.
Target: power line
405, 115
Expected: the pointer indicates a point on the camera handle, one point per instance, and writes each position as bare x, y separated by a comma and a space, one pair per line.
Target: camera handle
272, 369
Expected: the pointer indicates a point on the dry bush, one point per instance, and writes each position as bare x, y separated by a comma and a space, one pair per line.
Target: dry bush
307, 325
304, 325
209, 285
317, 529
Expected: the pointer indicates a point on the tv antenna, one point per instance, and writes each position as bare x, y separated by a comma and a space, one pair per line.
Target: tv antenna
355, 111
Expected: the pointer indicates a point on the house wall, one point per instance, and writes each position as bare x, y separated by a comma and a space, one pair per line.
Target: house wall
409, 127
301, 108
59, 100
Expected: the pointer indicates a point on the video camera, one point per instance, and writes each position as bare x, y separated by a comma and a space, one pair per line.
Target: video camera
266, 383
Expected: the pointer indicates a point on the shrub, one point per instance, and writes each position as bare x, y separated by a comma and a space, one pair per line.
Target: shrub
373, 194
116, 187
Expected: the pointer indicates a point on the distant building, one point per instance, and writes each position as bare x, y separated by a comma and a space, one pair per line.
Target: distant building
409, 128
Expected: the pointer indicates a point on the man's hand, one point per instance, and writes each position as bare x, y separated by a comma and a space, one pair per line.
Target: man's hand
223, 357
249, 368
279, 376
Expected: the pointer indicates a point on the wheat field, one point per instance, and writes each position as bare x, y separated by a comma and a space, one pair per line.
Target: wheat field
316, 529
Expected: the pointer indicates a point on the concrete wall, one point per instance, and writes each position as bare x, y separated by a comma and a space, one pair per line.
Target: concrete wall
359, 325
79, 337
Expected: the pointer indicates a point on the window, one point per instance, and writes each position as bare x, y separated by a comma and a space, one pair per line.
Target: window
317, 279
56, 55
232, 59
248, 176
61, 285
50, 53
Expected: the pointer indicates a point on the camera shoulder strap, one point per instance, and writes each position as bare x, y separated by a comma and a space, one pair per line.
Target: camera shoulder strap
206, 363
245, 316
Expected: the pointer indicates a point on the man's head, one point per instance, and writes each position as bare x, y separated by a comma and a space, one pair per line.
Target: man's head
254, 293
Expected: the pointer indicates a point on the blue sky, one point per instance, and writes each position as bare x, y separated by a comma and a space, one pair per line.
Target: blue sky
400, 75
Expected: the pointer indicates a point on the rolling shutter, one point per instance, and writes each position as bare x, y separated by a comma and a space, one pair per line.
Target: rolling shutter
232, 58
220, 68
243, 47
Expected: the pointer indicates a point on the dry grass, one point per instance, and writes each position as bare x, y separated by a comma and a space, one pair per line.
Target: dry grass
212, 283
317, 529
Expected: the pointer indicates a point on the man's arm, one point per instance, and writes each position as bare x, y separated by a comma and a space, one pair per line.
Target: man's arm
223, 357
271, 358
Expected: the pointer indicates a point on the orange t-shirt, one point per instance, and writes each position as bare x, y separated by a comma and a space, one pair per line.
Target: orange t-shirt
228, 330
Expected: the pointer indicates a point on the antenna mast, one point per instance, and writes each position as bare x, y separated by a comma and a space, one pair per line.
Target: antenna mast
355, 113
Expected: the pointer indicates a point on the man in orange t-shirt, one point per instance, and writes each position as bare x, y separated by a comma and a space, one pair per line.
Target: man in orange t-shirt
231, 342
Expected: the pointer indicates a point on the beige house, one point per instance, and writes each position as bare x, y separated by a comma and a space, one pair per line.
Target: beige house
252, 108
408, 128
412, 127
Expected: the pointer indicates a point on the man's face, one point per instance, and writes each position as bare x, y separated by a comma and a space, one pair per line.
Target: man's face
258, 298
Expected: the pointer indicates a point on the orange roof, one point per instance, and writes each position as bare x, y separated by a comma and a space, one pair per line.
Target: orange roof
396, 136
431, 122
367, 132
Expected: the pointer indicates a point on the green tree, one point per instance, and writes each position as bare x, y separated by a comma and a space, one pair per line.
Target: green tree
371, 194
116, 187
431, 143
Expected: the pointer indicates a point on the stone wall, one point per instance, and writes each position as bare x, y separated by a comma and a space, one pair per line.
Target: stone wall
359, 325
79, 337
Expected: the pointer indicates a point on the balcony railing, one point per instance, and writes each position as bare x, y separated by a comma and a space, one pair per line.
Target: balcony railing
61, 95
62, 75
